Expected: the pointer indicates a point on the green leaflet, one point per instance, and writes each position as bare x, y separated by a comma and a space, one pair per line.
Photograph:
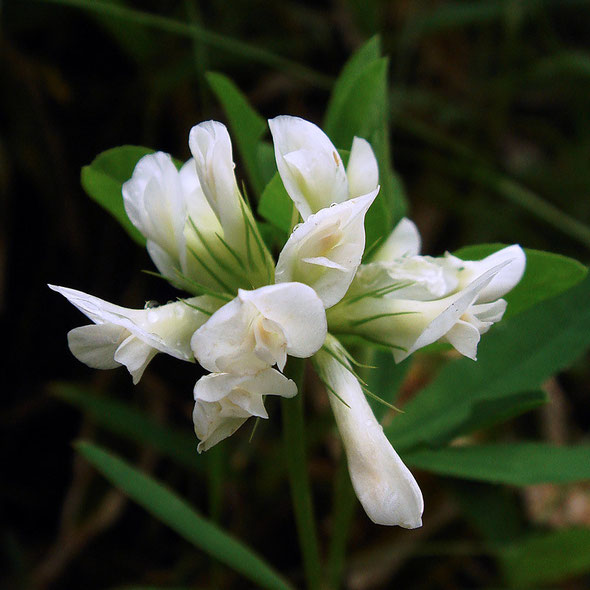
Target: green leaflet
515, 357
246, 125
519, 463
546, 275
103, 178
175, 512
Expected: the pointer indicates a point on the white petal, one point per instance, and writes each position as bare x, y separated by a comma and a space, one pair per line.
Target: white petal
408, 325
464, 337
225, 401
211, 148
404, 240
504, 281
154, 202
383, 484
309, 164
95, 345
166, 328
225, 343
298, 310
135, 355
211, 427
459, 304
258, 328
336, 233
362, 170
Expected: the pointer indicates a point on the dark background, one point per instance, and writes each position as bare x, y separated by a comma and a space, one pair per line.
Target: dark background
490, 125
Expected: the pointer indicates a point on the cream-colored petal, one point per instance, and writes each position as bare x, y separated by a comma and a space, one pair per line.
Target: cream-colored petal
309, 164
383, 484
362, 170
404, 240
337, 234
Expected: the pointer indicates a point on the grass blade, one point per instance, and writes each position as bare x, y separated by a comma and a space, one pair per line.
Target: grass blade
175, 512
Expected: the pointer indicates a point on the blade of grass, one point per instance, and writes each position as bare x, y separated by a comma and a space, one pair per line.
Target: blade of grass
294, 451
175, 512
132, 424
215, 40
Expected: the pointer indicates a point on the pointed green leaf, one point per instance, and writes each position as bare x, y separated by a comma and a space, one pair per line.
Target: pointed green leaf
346, 84
246, 125
546, 275
359, 106
175, 512
515, 357
546, 558
126, 421
520, 464
104, 177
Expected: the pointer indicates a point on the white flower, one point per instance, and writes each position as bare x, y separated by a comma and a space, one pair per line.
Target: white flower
326, 250
312, 170
132, 337
211, 148
383, 484
185, 238
223, 402
260, 328
407, 325
426, 278
155, 204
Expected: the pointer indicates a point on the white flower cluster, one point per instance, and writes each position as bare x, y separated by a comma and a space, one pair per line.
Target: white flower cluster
246, 315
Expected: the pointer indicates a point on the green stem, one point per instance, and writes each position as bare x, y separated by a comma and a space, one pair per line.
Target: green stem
344, 504
294, 452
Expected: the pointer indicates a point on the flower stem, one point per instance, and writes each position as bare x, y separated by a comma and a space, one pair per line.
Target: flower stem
294, 452
344, 503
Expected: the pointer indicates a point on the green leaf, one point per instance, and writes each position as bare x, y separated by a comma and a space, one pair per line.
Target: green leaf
175, 512
359, 107
335, 122
546, 558
515, 357
520, 464
275, 204
130, 423
546, 275
246, 125
104, 177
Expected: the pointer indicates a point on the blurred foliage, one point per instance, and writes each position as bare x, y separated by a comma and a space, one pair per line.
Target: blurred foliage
488, 139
